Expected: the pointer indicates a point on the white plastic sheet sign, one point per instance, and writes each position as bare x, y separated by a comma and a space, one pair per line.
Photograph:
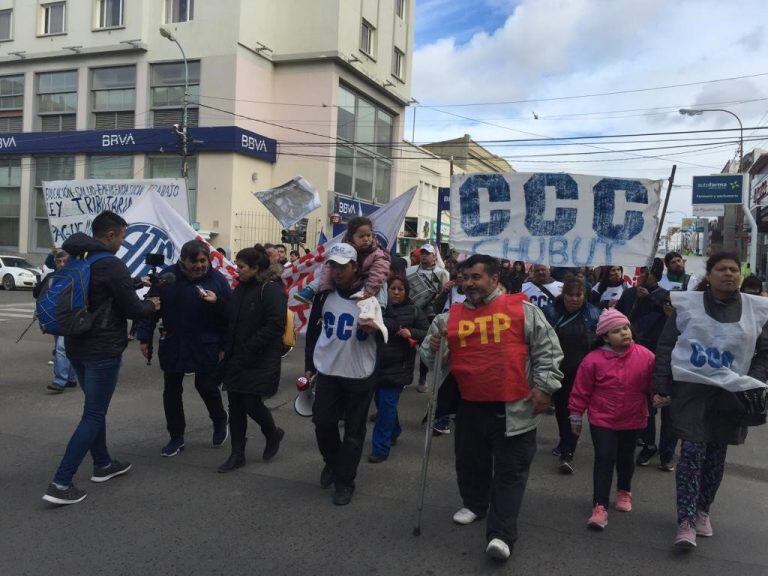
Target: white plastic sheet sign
290, 202
555, 219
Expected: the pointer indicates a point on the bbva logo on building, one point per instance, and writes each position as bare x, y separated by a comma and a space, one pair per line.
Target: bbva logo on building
7, 142
109, 140
251, 143
142, 239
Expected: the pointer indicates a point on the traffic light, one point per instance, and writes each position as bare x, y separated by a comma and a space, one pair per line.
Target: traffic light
285, 237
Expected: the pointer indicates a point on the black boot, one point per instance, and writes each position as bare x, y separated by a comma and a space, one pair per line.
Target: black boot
273, 444
236, 458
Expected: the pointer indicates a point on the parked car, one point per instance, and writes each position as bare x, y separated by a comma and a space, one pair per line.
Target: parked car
15, 272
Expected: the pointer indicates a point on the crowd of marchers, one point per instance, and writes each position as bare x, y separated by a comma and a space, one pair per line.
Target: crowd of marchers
511, 341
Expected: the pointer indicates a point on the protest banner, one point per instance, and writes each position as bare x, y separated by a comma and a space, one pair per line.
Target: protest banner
555, 219
387, 222
154, 227
291, 201
71, 205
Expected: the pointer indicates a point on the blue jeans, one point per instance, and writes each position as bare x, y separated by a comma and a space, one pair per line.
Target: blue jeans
62, 367
98, 379
387, 424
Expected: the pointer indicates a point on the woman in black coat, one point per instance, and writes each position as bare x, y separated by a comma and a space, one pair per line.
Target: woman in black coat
575, 321
396, 364
252, 350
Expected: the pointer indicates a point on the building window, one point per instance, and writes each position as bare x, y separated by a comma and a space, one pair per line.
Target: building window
366, 38
109, 13
110, 167
5, 24
400, 8
398, 59
10, 201
57, 100
11, 103
364, 164
46, 169
179, 11
169, 166
167, 84
113, 93
53, 18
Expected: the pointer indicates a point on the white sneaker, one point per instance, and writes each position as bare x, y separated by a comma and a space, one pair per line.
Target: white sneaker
464, 516
497, 549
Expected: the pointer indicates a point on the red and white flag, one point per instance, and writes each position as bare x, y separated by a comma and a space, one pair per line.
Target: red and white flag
387, 222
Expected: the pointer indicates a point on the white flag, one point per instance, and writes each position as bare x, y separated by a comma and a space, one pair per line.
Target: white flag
387, 222
154, 227
290, 202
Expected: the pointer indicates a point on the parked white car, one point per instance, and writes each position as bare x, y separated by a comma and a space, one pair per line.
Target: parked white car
15, 272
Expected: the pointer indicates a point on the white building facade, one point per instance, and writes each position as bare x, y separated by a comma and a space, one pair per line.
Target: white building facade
277, 88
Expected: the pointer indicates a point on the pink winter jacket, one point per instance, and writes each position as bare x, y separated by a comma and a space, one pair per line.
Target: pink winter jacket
374, 267
614, 388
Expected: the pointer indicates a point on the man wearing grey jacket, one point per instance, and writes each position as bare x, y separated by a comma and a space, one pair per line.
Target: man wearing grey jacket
504, 356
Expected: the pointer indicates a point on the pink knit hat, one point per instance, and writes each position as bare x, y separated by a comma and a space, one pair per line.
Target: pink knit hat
609, 320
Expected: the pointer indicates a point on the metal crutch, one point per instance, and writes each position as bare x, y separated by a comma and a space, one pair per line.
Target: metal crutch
437, 376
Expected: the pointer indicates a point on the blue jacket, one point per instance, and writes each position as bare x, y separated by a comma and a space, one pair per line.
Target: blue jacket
192, 329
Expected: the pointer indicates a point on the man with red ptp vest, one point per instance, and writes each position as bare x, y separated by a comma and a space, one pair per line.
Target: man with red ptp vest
504, 356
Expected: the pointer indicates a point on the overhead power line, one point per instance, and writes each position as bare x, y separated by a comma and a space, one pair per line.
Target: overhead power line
597, 94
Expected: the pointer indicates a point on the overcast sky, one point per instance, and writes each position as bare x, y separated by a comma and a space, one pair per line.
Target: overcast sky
479, 51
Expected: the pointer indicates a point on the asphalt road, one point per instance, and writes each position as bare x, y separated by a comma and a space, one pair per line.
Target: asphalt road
178, 516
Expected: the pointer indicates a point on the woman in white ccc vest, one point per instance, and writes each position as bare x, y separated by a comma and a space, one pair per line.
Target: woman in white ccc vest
711, 367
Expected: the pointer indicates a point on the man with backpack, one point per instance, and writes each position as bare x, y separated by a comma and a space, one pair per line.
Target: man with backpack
95, 337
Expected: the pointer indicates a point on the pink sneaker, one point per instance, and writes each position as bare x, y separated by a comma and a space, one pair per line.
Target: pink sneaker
686, 536
599, 518
623, 501
703, 524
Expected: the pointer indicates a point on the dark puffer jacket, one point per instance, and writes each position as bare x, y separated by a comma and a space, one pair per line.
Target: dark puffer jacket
646, 314
398, 357
193, 329
113, 295
576, 333
695, 408
253, 345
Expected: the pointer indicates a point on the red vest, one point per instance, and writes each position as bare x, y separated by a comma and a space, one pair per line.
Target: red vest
488, 350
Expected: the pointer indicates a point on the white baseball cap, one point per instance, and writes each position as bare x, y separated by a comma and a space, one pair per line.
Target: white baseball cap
342, 253
427, 248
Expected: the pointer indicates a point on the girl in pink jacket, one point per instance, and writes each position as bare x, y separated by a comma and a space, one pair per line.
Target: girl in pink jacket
372, 261
613, 385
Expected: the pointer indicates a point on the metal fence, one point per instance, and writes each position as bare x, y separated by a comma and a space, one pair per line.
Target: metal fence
259, 228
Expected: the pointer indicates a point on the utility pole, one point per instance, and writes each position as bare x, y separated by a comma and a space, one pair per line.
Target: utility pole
165, 33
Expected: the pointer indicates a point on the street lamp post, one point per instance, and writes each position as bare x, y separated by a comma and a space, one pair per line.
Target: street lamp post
700, 111
745, 196
165, 33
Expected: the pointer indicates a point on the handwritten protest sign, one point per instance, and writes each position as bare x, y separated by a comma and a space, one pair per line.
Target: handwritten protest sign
555, 219
71, 205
